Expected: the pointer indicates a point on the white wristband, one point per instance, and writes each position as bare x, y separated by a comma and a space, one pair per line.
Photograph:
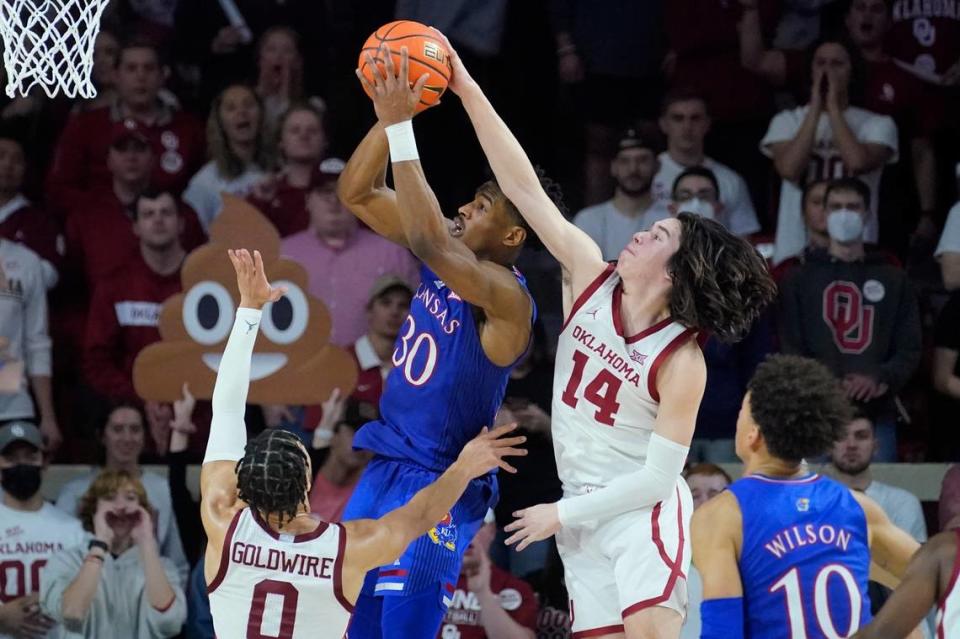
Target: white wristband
403, 144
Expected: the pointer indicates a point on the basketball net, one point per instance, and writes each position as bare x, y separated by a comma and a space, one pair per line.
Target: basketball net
49, 44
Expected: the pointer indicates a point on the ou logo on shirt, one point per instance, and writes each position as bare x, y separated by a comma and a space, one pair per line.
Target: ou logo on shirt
849, 319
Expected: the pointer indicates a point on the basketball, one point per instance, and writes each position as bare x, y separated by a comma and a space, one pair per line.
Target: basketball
426, 51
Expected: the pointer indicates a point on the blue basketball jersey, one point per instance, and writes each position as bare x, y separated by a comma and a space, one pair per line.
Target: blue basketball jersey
443, 388
805, 560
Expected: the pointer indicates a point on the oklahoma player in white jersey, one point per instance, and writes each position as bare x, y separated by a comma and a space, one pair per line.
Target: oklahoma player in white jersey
629, 379
274, 569
31, 530
931, 579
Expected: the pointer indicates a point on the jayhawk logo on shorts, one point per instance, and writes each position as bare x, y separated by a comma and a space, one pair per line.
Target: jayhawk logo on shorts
444, 533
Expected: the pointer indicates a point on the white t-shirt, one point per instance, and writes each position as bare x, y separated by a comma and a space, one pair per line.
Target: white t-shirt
205, 188
738, 214
825, 163
23, 322
27, 541
902, 507
611, 229
950, 238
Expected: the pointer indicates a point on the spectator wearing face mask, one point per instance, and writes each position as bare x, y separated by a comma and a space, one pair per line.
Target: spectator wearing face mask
612, 223
685, 121
696, 190
827, 138
855, 312
25, 515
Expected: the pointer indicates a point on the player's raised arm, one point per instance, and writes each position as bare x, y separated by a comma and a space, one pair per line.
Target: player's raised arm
228, 433
379, 542
573, 248
715, 532
362, 187
479, 281
917, 593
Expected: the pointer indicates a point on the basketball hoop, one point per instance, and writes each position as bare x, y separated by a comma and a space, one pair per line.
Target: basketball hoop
49, 44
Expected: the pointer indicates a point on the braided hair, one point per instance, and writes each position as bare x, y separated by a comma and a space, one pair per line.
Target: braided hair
272, 475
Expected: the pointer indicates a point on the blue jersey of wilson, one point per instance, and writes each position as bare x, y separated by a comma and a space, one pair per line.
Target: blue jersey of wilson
805, 560
443, 389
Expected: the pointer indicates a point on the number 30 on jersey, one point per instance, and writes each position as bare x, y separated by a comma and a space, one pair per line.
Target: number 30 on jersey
407, 356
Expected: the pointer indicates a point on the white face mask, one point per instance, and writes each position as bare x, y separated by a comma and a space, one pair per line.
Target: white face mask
844, 225
697, 207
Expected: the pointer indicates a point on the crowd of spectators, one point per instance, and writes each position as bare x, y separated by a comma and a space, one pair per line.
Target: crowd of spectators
827, 133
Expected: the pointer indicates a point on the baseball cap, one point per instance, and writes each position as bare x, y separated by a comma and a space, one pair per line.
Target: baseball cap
125, 131
20, 432
326, 173
386, 282
641, 136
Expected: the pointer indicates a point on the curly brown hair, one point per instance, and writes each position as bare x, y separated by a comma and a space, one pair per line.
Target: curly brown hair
107, 484
798, 405
720, 283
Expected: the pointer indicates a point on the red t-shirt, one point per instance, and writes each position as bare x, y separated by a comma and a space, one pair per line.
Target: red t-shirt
287, 209
100, 234
703, 34
463, 615
21, 221
893, 91
925, 36
80, 159
123, 318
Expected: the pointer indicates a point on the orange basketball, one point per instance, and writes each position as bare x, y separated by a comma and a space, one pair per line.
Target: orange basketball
426, 52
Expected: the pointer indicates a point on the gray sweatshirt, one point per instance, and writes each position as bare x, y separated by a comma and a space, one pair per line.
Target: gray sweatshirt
23, 321
120, 608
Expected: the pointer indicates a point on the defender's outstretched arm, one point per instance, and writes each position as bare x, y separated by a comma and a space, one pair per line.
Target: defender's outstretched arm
574, 249
228, 432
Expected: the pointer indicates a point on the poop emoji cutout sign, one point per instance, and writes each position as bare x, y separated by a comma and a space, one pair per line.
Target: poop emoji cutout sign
292, 360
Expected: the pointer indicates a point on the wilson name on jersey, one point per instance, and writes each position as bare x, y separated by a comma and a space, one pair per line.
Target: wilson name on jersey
271, 584
605, 398
805, 559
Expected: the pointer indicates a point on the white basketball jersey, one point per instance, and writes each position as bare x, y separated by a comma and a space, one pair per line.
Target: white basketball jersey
274, 585
604, 388
948, 611
27, 540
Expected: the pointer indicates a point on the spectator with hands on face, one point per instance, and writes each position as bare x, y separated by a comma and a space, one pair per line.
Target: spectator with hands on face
825, 139
115, 584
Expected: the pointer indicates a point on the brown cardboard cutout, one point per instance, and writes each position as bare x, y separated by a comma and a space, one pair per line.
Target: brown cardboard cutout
292, 361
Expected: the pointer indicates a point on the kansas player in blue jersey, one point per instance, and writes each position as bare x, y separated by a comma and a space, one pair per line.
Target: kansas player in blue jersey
470, 321
785, 552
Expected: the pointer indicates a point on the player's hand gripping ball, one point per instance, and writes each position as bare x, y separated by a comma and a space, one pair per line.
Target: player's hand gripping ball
427, 53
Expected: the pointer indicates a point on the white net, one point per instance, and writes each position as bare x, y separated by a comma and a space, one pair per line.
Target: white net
49, 44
